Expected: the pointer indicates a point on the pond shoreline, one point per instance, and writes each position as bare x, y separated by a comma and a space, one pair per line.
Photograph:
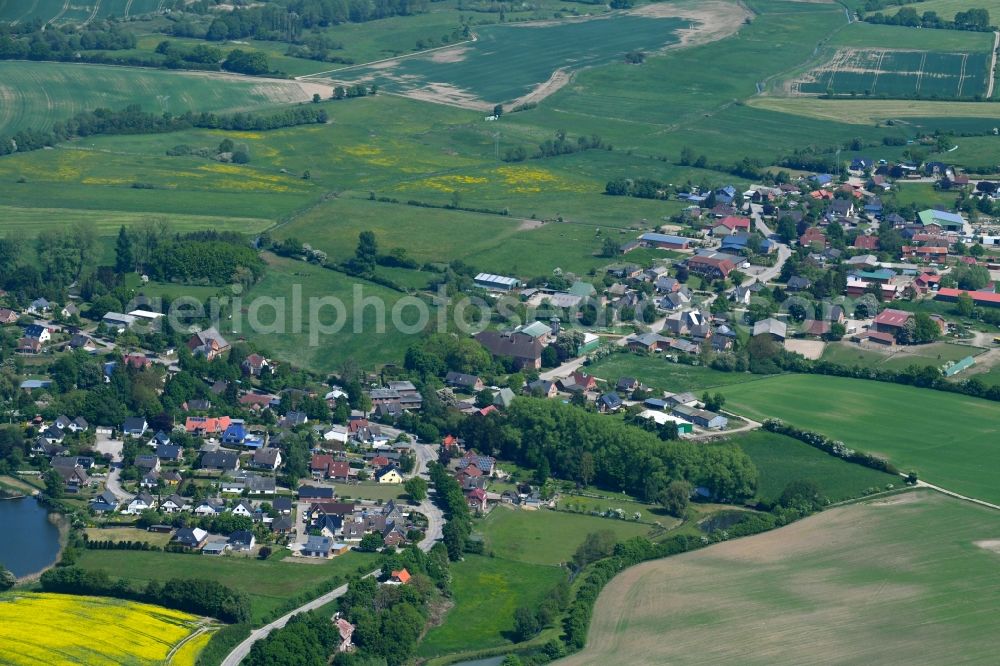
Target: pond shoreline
62, 524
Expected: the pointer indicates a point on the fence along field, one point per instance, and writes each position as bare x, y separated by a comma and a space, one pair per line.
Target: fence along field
898, 73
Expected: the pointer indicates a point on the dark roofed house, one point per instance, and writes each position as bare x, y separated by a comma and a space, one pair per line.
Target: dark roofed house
609, 402
134, 426
464, 381
315, 492
169, 452
798, 283
221, 459
524, 350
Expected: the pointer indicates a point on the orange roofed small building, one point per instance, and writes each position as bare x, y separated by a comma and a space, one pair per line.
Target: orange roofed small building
401, 577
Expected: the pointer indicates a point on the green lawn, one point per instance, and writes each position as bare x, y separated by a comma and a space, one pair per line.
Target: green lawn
781, 459
371, 491
922, 195
268, 582
910, 579
663, 375
546, 537
946, 438
486, 592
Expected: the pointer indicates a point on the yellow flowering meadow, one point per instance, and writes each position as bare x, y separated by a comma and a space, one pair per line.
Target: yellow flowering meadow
64, 629
443, 183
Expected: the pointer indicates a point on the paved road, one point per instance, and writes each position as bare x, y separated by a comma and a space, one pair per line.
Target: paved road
564, 370
112, 483
435, 523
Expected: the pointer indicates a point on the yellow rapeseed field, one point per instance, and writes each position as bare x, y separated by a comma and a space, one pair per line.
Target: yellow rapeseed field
188, 653
64, 629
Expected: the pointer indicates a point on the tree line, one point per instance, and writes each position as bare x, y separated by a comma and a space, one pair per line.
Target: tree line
565, 441
973, 19
289, 21
133, 120
202, 597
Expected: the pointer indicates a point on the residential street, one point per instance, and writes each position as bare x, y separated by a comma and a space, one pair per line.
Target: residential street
112, 484
435, 523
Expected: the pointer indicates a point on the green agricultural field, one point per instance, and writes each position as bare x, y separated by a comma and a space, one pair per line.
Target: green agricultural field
869, 35
268, 582
544, 536
855, 584
486, 592
661, 374
885, 73
892, 61
37, 93
366, 334
781, 460
869, 111
945, 437
507, 61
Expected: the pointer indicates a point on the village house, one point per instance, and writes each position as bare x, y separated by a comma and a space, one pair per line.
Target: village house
525, 351
714, 268
208, 343
255, 364
266, 458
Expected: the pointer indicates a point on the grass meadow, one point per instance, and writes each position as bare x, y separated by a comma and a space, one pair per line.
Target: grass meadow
365, 334
71, 629
862, 583
486, 591
935, 354
945, 437
528, 549
547, 537
270, 583
781, 460
661, 374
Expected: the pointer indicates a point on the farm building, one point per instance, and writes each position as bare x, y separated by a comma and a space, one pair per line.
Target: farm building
665, 241
701, 417
939, 218
711, 267
660, 418
496, 282
978, 297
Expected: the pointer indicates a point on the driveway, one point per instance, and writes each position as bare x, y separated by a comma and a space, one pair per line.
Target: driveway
113, 484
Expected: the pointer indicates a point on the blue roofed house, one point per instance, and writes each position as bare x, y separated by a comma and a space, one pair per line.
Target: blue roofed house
725, 195
821, 178
236, 433
609, 402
